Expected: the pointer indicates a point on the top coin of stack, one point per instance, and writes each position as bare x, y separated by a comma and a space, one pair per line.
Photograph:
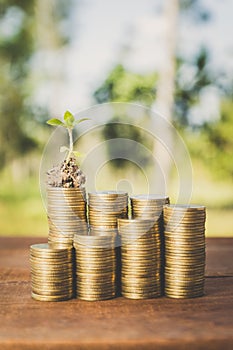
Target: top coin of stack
184, 250
51, 272
106, 207
66, 214
103, 231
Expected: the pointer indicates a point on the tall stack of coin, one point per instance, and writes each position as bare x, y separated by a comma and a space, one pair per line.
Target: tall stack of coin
51, 273
184, 250
95, 267
66, 214
140, 258
104, 210
147, 207
106, 207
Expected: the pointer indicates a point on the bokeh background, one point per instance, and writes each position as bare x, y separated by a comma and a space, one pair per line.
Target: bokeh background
173, 56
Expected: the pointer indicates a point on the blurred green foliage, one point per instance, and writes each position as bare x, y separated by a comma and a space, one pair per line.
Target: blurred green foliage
16, 48
121, 128
220, 137
18, 44
213, 142
188, 90
210, 141
122, 85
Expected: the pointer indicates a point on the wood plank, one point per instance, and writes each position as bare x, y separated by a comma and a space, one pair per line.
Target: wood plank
201, 323
162, 323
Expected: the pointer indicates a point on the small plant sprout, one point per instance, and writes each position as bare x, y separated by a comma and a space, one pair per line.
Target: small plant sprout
69, 123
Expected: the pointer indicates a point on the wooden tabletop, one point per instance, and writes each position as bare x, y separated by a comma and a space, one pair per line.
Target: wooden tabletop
162, 323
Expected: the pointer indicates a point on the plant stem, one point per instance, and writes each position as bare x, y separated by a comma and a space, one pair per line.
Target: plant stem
71, 143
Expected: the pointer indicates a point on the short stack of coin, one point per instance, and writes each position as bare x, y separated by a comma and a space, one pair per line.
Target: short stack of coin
147, 207
51, 272
95, 267
66, 214
184, 250
140, 259
106, 207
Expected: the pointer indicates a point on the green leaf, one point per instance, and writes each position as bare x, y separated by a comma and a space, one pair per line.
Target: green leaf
55, 122
64, 149
69, 119
78, 154
81, 120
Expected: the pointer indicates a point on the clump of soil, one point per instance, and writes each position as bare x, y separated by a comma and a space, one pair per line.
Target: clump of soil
67, 174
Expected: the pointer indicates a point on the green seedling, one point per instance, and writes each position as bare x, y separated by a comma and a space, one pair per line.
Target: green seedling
68, 123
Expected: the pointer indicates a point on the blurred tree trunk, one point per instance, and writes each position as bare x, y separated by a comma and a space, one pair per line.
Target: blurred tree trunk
47, 34
165, 94
50, 43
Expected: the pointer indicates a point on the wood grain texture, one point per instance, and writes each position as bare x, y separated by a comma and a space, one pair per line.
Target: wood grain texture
162, 323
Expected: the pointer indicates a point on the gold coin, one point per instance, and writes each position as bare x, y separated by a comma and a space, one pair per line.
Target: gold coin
45, 248
43, 288
61, 191
96, 297
186, 218
52, 270
51, 298
37, 279
184, 296
108, 193
52, 257
184, 207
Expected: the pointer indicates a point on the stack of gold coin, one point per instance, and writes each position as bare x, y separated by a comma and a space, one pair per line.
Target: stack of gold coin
184, 250
66, 214
51, 272
95, 267
140, 259
105, 207
103, 231
147, 207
